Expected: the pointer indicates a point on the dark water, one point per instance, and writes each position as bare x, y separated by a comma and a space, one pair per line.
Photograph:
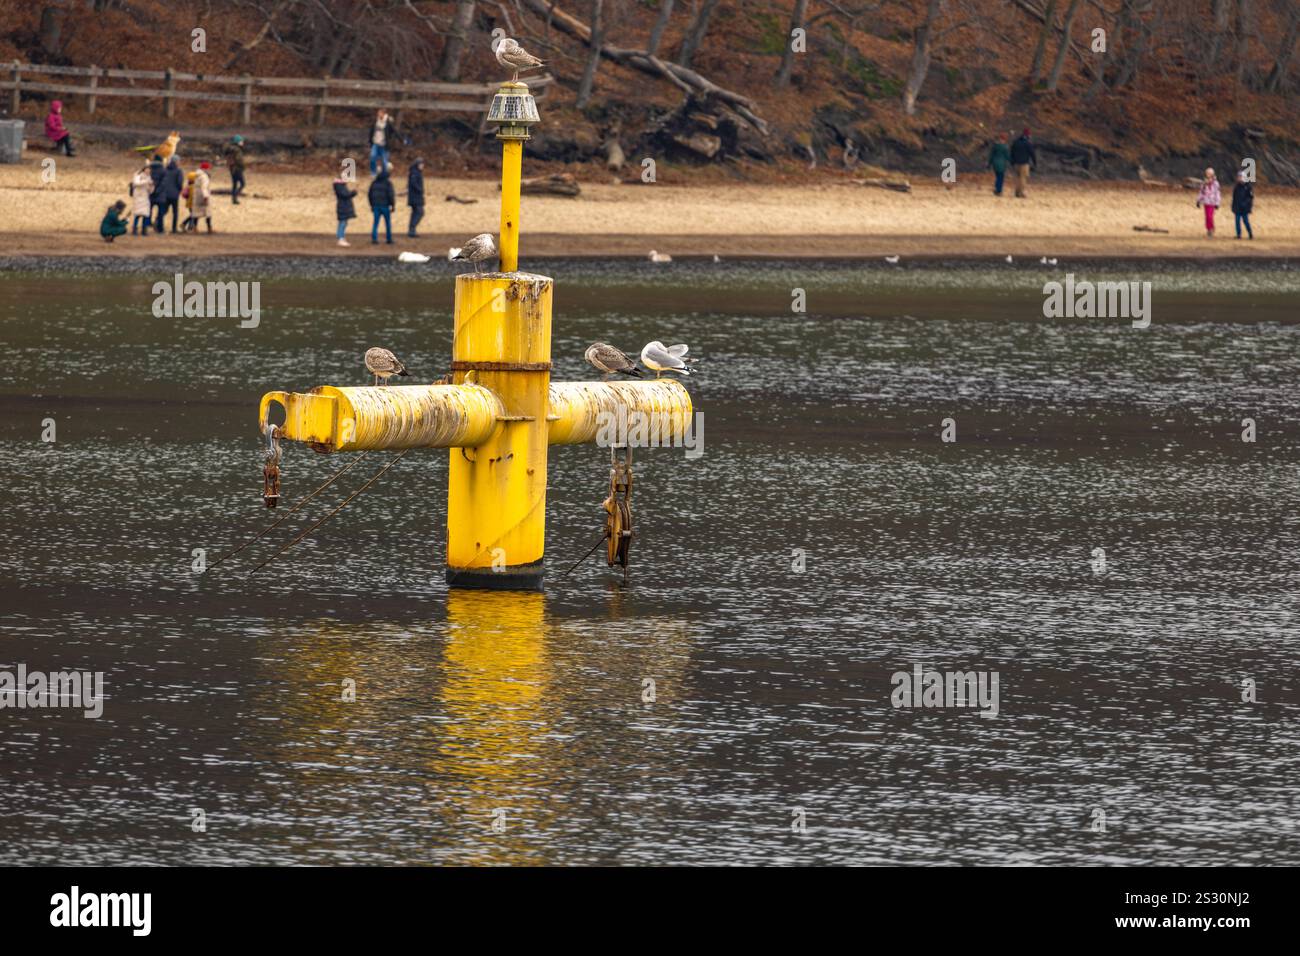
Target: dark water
1120, 691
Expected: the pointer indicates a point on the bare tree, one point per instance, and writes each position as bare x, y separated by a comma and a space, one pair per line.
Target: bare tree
454, 49
1219, 11
593, 57
1049, 27
787, 54
1054, 78
1277, 76
1243, 26
921, 55
695, 35
661, 24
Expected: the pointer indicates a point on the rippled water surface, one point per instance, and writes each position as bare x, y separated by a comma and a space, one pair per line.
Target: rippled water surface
1119, 691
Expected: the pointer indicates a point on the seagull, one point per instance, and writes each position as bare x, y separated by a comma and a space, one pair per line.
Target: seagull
609, 359
892, 260
481, 247
382, 364
412, 257
660, 256
716, 258
514, 57
660, 358
1008, 258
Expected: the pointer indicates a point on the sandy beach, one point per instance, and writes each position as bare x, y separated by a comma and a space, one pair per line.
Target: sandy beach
293, 213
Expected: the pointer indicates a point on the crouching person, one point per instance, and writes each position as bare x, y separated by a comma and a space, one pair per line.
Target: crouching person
113, 225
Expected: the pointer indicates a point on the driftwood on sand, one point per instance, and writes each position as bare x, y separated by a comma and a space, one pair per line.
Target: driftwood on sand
1149, 229
451, 197
559, 184
882, 179
685, 79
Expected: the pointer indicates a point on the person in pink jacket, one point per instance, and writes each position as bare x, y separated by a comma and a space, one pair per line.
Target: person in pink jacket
1208, 199
55, 131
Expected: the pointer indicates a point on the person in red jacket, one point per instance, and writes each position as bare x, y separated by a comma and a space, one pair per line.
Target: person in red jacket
55, 131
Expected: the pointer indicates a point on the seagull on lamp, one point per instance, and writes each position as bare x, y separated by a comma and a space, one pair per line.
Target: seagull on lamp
383, 364
481, 247
514, 57
608, 359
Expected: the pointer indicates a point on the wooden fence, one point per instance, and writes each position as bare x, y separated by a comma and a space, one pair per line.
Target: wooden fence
326, 92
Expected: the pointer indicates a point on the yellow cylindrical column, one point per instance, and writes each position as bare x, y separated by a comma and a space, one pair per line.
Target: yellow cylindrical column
496, 495
512, 164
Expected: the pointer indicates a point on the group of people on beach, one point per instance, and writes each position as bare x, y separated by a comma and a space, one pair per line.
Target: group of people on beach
381, 195
1022, 156
1209, 197
161, 185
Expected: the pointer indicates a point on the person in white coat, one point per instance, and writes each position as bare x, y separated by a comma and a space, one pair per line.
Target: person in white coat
141, 187
203, 195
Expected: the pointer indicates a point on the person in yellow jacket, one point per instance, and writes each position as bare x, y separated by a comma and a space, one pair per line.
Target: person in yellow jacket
188, 193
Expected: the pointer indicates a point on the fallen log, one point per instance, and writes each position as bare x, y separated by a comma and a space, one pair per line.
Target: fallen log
1149, 229
896, 183
559, 184
460, 199
685, 79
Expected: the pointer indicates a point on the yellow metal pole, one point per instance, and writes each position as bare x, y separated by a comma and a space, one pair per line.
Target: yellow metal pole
512, 162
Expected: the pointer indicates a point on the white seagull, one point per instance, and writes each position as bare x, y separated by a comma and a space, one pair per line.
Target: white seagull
481, 247
609, 359
892, 260
1008, 258
659, 256
514, 57
383, 364
412, 257
660, 358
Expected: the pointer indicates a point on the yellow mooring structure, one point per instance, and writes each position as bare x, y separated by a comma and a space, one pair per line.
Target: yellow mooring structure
501, 411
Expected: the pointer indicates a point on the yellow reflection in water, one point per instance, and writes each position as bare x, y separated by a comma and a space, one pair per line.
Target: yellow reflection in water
494, 687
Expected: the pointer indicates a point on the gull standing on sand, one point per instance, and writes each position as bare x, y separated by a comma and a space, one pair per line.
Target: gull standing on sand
481, 247
514, 57
660, 358
383, 364
609, 359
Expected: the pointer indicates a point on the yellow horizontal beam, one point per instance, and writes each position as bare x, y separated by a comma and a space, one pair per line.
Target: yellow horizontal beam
465, 416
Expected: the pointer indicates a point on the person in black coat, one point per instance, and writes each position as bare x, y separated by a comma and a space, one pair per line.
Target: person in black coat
1023, 156
344, 208
1243, 201
415, 194
382, 200
169, 192
156, 170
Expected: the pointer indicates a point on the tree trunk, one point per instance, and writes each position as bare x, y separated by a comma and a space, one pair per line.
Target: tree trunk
787, 55
1243, 41
661, 24
593, 57
921, 56
454, 48
695, 35
1049, 27
1055, 77
52, 28
1277, 76
1219, 12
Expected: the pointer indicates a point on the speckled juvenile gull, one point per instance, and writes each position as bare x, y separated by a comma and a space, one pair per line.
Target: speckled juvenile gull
609, 359
383, 364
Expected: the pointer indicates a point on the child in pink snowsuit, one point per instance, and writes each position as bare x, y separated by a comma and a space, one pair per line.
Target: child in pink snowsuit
1208, 199
55, 131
